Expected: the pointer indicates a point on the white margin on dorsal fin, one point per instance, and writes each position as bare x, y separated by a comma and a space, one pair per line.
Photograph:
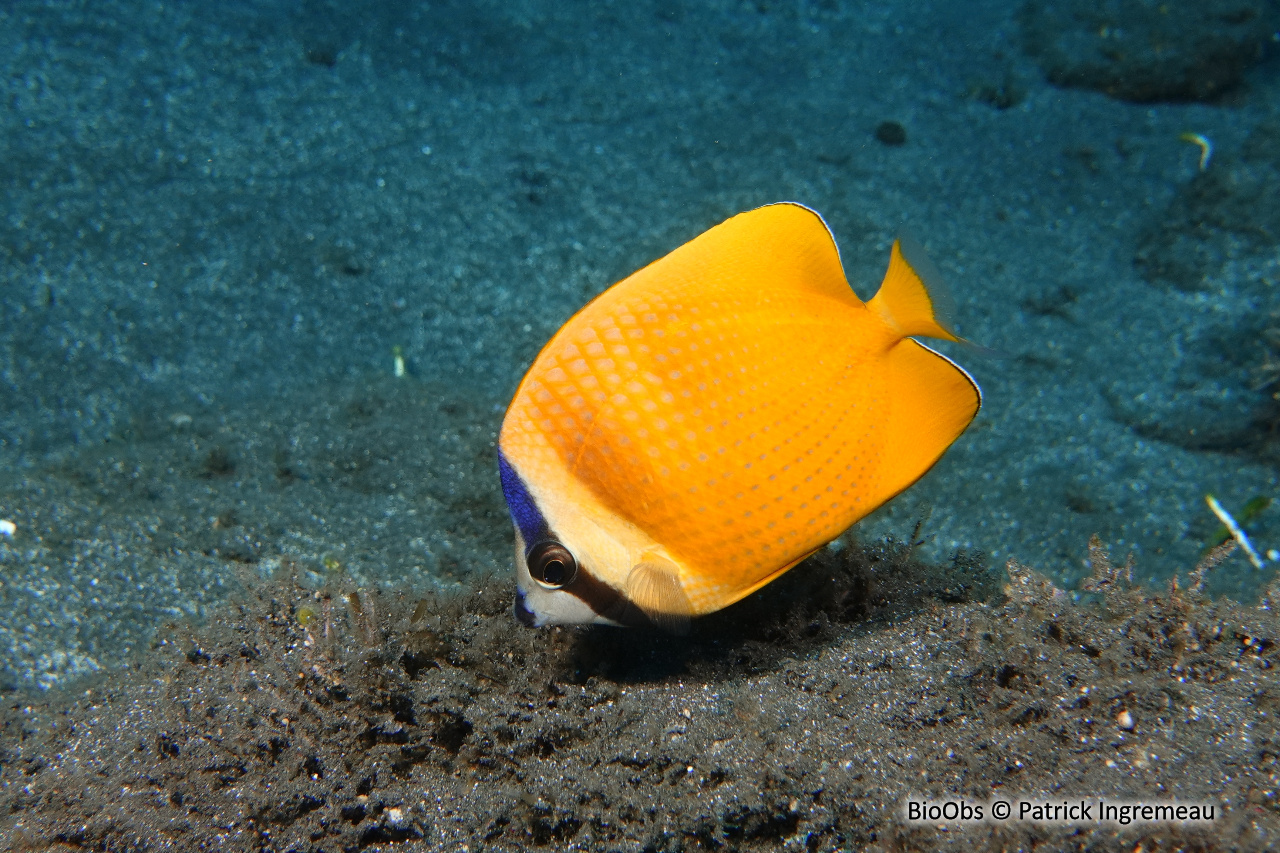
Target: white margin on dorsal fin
825, 224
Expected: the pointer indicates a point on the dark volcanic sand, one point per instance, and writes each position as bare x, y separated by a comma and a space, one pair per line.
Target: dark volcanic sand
436, 723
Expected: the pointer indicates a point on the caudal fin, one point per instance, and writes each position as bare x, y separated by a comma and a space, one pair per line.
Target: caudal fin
933, 400
913, 297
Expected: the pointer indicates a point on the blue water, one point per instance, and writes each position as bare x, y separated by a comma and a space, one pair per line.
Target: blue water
220, 219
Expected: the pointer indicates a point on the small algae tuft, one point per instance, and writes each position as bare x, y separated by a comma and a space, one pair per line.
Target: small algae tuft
306, 615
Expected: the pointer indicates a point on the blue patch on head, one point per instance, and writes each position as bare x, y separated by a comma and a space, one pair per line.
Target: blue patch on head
533, 527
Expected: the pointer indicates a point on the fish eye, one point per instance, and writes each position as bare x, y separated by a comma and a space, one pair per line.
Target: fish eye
551, 565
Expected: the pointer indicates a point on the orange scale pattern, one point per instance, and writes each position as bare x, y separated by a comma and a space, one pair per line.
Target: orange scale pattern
738, 404
739, 447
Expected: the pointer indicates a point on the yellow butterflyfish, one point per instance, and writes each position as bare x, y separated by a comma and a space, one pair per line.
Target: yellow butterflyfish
711, 420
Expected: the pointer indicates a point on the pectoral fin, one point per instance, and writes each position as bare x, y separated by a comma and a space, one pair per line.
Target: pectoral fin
654, 587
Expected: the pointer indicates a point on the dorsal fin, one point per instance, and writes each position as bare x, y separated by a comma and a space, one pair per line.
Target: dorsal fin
772, 250
654, 587
934, 401
913, 297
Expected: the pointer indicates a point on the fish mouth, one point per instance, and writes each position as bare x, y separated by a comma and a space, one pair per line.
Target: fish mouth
524, 615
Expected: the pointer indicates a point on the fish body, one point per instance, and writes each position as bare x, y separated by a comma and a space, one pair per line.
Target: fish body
714, 418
